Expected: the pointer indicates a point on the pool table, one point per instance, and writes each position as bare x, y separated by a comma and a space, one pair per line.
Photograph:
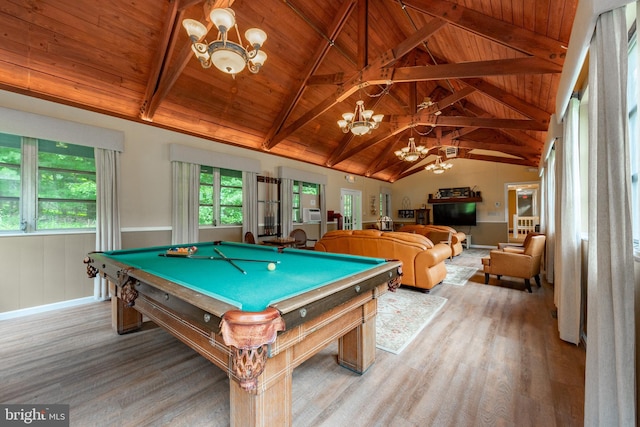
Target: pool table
255, 323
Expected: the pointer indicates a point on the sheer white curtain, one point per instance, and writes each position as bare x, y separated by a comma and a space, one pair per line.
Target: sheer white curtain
568, 242
549, 217
286, 205
610, 367
323, 209
107, 210
186, 201
250, 203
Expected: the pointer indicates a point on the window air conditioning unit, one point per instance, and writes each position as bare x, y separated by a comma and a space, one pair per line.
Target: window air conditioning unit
311, 215
451, 152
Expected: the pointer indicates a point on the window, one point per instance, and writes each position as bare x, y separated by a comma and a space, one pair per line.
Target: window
303, 193
220, 196
46, 185
385, 202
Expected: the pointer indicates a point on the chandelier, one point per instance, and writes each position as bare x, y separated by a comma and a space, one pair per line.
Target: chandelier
227, 56
411, 152
439, 166
361, 121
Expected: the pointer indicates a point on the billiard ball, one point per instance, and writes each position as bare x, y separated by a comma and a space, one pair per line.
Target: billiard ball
271, 266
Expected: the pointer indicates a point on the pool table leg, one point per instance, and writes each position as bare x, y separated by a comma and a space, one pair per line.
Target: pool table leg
357, 349
270, 404
124, 319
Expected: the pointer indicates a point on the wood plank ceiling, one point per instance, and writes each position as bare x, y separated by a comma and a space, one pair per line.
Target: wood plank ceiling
490, 67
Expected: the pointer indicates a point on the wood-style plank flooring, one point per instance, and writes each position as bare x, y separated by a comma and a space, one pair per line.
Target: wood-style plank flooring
490, 357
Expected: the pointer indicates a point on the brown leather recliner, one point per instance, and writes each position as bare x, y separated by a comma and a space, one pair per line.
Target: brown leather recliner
422, 262
439, 233
524, 265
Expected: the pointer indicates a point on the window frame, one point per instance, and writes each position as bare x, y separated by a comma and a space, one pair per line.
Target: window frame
217, 187
296, 199
30, 200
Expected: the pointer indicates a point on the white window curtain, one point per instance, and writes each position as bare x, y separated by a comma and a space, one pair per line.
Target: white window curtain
549, 228
286, 205
186, 202
107, 210
610, 366
323, 209
568, 242
250, 203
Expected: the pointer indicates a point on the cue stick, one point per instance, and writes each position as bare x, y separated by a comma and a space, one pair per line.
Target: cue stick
229, 260
213, 258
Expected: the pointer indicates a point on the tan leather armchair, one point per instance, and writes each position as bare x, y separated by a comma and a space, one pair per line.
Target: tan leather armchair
523, 265
517, 247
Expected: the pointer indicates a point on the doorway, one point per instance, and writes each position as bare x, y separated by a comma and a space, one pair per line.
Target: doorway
351, 208
522, 208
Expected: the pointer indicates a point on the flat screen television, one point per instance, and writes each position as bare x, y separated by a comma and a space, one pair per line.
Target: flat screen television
454, 214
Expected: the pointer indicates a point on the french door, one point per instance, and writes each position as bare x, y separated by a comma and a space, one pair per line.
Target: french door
351, 209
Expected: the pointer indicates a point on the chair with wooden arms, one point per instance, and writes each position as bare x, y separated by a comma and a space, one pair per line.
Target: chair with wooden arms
249, 238
301, 239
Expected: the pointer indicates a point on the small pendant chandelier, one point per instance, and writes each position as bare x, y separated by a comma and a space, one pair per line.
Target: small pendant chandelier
411, 152
361, 121
439, 166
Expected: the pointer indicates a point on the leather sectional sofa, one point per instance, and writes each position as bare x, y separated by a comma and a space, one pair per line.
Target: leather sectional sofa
422, 261
437, 234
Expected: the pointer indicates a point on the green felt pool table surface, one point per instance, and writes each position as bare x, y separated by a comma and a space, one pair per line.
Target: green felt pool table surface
296, 272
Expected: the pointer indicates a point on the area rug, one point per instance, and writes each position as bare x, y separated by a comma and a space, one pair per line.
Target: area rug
401, 317
459, 274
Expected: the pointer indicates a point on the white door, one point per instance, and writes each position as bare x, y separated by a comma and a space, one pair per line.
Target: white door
351, 209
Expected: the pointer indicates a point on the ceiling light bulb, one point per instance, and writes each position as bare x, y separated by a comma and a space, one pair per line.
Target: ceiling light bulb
366, 114
223, 18
195, 29
348, 116
256, 37
259, 58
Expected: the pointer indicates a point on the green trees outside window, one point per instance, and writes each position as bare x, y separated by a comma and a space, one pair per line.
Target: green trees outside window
300, 188
46, 185
220, 196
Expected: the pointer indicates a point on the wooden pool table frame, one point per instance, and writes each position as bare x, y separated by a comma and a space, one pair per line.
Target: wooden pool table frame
259, 355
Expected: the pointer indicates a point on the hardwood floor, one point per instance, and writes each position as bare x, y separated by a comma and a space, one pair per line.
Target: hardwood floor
490, 357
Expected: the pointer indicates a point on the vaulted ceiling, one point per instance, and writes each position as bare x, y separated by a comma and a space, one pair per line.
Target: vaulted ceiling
489, 67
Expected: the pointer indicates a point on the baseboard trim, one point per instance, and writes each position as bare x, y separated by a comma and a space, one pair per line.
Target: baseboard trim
44, 308
483, 247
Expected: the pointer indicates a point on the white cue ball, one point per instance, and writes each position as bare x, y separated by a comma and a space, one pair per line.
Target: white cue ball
271, 266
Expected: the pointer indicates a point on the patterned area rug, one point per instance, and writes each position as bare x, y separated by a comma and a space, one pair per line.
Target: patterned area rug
402, 315
459, 274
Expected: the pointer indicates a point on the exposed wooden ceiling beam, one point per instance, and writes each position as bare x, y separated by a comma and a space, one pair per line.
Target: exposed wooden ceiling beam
356, 81
169, 75
400, 123
314, 63
465, 121
164, 52
363, 37
376, 165
510, 101
502, 32
499, 67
